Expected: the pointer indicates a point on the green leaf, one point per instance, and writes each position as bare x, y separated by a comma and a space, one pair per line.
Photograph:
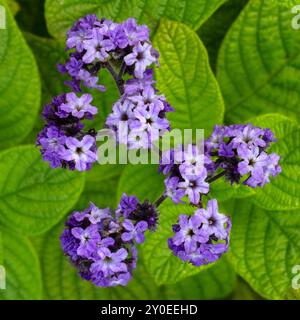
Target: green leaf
283, 193
186, 79
259, 63
22, 269
100, 187
264, 247
223, 190
19, 84
160, 261
143, 181
33, 196
61, 14
216, 282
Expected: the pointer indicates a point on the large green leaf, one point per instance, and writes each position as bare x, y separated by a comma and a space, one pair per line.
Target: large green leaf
22, 269
61, 14
161, 263
19, 84
264, 247
33, 196
186, 79
216, 282
283, 193
143, 181
259, 63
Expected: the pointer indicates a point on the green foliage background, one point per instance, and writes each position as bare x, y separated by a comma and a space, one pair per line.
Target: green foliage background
221, 62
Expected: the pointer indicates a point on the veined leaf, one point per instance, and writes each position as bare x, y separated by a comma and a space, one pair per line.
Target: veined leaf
61, 14
22, 269
259, 63
186, 79
19, 84
33, 196
216, 282
264, 247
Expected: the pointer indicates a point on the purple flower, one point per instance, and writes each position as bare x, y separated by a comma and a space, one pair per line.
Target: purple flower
249, 135
81, 152
109, 263
141, 57
79, 107
212, 221
134, 232
195, 185
173, 191
97, 47
89, 81
88, 240
127, 205
97, 215
188, 233
135, 33
252, 159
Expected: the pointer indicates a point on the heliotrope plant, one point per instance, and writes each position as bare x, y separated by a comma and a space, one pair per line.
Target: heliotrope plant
101, 243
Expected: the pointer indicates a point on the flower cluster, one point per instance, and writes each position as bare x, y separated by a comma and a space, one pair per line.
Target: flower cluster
139, 117
101, 244
241, 151
203, 237
187, 170
63, 142
94, 43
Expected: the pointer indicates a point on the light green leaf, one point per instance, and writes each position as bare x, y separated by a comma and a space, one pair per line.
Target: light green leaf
100, 187
61, 14
143, 181
19, 84
223, 190
216, 282
33, 196
22, 269
186, 79
259, 63
283, 193
264, 247
160, 261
